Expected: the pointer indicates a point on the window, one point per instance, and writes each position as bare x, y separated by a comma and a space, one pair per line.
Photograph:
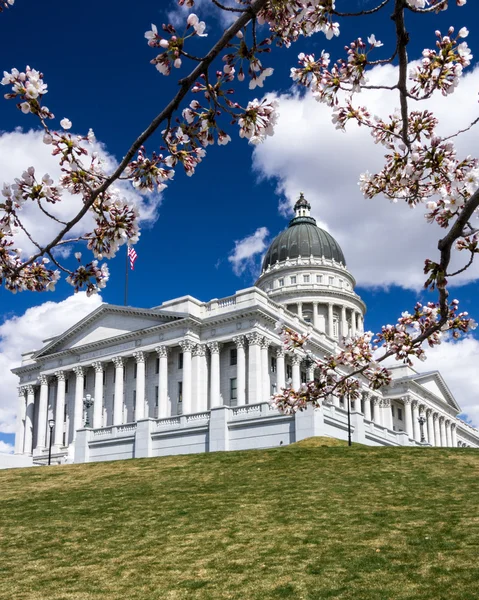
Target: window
331, 281
273, 389
305, 278
340, 283
84, 383
180, 360
273, 364
66, 386
180, 391
392, 410
289, 372
280, 282
341, 401
157, 365
134, 400
114, 375
293, 279
135, 370
233, 356
65, 412
303, 376
400, 414
104, 377
157, 396
233, 389
64, 438
335, 327
319, 279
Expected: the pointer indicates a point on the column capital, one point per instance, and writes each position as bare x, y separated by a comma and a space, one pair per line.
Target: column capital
240, 341
415, 403
199, 350
21, 391
428, 412
441, 419
162, 351
366, 395
447, 421
376, 400
139, 356
265, 343
186, 345
280, 352
296, 359
118, 361
98, 366
60, 375
214, 347
254, 338
453, 425
435, 416
43, 379
29, 389
386, 402
406, 399
78, 371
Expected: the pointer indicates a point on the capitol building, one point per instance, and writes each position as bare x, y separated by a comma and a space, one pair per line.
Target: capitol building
191, 376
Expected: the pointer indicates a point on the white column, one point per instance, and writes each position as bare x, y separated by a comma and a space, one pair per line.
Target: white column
315, 315
20, 424
163, 407
59, 409
344, 322
98, 396
454, 435
240, 369
78, 407
280, 369
430, 427
118, 397
266, 385
196, 376
310, 365
387, 414
296, 383
353, 323
408, 416
255, 381
187, 348
442, 429
437, 432
377, 410
415, 422
28, 445
367, 406
139, 356
447, 426
330, 320
215, 399
42, 413
336, 401
300, 310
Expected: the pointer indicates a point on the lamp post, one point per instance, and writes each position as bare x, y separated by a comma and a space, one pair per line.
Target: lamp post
51, 425
422, 419
349, 419
87, 403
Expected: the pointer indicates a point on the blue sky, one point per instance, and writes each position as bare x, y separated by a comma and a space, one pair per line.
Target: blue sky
96, 63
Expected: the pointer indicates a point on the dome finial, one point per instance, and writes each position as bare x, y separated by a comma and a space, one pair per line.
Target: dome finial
302, 207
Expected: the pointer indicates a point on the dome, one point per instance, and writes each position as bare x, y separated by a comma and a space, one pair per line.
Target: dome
303, 238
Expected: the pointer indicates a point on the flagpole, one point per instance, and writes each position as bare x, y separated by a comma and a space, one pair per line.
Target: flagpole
126, 277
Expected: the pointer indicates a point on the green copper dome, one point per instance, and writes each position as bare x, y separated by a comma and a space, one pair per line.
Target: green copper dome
303, 238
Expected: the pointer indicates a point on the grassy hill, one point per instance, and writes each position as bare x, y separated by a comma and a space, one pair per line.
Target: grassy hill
305, 522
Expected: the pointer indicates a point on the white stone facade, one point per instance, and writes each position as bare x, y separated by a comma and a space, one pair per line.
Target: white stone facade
191, 376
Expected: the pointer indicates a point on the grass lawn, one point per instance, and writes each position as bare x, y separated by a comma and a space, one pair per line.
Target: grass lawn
303, 522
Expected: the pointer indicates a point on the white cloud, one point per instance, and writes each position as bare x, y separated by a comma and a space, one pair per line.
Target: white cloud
204, 9
384, 243
458, 363
245, 252
26, 332
20, 150
5, 448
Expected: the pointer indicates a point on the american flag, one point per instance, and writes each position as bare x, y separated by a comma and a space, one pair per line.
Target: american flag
132, 255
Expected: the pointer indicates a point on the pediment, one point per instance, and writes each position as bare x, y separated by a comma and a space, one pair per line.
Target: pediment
434, 383
107, 321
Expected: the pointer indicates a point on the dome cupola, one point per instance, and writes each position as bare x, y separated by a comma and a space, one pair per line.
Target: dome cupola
303, 238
